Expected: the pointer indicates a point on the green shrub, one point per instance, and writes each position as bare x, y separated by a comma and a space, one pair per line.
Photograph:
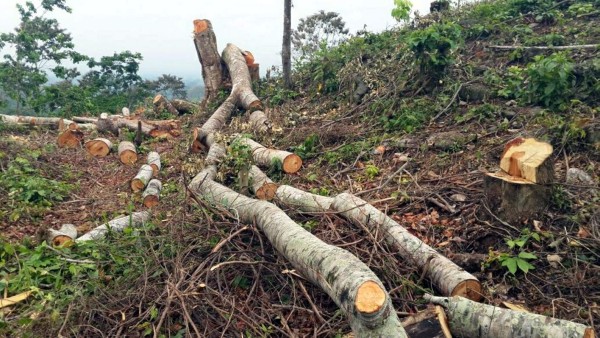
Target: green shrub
433, 47
550, 80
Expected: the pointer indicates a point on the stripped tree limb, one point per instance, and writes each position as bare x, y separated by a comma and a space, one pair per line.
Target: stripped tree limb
208, 55
262, 187
446, 276
240, 78
154, 162
144, 175
265, 156
347, 280
151, 195
134, 220
472, 319
159, 128
52, 122
98, 147
542, 48
162, 104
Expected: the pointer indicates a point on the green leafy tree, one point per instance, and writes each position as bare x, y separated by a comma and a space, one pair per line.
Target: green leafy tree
36, 46
320, 30
401, 11
170, 86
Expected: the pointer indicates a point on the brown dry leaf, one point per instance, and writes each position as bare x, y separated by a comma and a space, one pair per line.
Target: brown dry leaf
583, 233
515, 307
554, 260
14, 299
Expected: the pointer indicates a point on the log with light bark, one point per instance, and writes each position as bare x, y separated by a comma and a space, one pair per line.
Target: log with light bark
184, 107
204, 137
52, 122
135, 220
98, 147
144, 175
157, 128
265, 156
240, 79
63, 236
151, 194
545, 48
521, 190
85, 119
472, 319
348, 281
154, 162
447, 277
127, 152
208, 55
161, 104
262, 187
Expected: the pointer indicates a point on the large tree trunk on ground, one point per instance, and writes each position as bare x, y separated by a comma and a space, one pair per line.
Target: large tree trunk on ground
154, 162
127, 153
446, 276
240, 79
52, 122
99, 147
471, 319
135, 220
158, 128
184, 107
162, 104
286, 49
208, 54
347, 280
151, 195
203, 137
144, 175
264, 156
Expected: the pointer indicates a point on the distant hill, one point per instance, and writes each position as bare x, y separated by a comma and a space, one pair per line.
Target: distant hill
195, 89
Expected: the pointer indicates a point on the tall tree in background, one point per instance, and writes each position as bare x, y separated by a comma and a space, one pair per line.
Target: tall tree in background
171, 86
320, 30
38, 44
286, 51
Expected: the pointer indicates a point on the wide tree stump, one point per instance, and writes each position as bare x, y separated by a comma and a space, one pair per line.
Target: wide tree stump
528, 159
127, 153
99, 147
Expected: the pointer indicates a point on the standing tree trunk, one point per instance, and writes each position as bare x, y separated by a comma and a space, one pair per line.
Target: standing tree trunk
286, 50
206, 47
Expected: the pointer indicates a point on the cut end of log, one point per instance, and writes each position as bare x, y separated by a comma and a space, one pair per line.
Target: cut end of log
255, 105
160, 133
292, 163
370, 298
200, 25
267, 191
70, 139
525, 158
137, 185
150, 201
589, 333
196, 147
62, 241
155, 169
157, 99
128, 157
249, 58
99, 147
470, 289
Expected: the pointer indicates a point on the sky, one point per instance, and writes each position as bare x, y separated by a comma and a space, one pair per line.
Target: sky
162, 30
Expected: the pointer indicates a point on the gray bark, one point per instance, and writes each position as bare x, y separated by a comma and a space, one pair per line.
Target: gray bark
208, 55
134, 220
286, 49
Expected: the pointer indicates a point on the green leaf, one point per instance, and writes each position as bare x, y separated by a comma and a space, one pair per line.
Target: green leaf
511, 264
527, 255
524, 265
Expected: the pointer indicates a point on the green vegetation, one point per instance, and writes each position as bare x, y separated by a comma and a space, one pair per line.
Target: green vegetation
434, 47
518, 258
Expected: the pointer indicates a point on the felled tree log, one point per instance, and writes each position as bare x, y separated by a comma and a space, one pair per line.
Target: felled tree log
521, 190
240, 78
106, 124
446, 276
206, 48
159, 128
127, 153
348, 281
162, 104
63, 236
472, 319
52, 122
184, 107
203, 137
262, 187
85, 119
142, 178
154, 162
98, 147
70, 138
135, 220
265, 156
151, 195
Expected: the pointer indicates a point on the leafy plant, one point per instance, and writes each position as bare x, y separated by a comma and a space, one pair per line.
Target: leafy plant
308, 148
371, 171
550, 80
401, 11
518, 258
433, 47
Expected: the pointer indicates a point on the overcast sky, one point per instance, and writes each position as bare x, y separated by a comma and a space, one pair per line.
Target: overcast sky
162, 30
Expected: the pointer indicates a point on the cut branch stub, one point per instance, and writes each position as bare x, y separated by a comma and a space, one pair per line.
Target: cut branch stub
127, 153
162, 104
154, 162
472, 319
99, 147
70, 139
142, 178
152, 193
261, 185
205, 42
265, 156
528, 159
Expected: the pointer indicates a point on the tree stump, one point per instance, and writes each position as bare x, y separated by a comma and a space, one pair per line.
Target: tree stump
70, 139
99, 147
162, 104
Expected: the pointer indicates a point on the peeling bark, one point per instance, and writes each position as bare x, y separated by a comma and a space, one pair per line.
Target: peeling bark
472, 319
347, 280
265, 156
142, 178
135, 220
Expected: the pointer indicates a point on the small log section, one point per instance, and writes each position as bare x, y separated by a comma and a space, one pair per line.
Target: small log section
154, 162
99, 147
127, 153
162, 104
264, 156
62, 237
135, 220
521, 189
151, 195
476, 320
144, 175
348, 281
262, 187
447, 277
208, 55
